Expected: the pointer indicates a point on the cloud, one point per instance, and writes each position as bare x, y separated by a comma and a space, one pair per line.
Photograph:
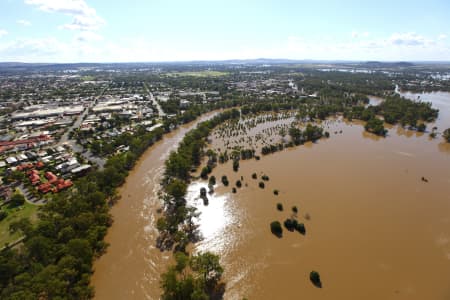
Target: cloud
81, 22
88, 36
24, 22
408, 39
70, 7
442, 37
3, 32
30, 47
88, 46
84, 16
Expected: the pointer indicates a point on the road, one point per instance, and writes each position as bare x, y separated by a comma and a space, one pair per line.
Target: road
65, 138
155, 103
30, 198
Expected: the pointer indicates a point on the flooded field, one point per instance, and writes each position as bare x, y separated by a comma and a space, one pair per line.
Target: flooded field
375, 229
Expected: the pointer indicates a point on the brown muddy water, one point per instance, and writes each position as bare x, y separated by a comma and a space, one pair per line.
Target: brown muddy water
376, 230
132, 265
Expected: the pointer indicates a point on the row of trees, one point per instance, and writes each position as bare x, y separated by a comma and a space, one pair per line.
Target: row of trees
55, 260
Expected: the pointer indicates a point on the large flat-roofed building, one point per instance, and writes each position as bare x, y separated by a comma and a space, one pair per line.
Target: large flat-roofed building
48, 112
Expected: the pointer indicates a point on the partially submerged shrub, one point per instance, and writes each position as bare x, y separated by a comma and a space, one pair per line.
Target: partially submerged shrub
280, 206
315, 279
276, 229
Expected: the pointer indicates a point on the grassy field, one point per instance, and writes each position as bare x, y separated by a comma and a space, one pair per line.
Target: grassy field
88, 78
14, 214
205, 73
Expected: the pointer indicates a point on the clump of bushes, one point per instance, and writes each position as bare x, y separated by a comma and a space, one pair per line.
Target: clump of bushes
293, 224
265, 178
276, 229
254, 176
239, 184
375, 126
290, 224
212, 180
261, 184
421, 127
280, 206
294, 209
275, 192
234, 190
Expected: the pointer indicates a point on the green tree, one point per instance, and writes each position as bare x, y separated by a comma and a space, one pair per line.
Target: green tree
375, 126
276, 229
177, 189
17, 199
208, 267
315, 279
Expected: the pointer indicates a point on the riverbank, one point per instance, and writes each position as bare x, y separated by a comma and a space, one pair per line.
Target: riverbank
132, 265
138, 257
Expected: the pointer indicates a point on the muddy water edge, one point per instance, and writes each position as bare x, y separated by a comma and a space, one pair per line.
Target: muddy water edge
375, 231
132, 265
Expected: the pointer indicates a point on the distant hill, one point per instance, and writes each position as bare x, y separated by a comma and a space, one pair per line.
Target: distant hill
379, 64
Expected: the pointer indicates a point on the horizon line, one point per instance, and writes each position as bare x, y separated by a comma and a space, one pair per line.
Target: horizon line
279, 60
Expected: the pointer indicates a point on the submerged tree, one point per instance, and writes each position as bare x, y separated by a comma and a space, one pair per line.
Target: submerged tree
196, 277
225, 180
235, 165
446, 135
315, 279
276, 229
375, 126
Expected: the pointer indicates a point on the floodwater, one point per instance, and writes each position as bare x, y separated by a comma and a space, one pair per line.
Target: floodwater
374, 230
132, 265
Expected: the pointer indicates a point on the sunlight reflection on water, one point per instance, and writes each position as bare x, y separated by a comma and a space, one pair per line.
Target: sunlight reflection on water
214, 218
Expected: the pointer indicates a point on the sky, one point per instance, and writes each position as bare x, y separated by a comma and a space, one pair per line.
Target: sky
65, 31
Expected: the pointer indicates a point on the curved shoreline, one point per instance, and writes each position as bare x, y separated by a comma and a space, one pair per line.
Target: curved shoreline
132, 262
159, 261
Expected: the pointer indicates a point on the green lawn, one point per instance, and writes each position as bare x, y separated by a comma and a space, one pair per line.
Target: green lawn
25, 211
87, 78
205, 73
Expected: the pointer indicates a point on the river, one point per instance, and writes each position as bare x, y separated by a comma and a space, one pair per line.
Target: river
374, 229
131, 267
